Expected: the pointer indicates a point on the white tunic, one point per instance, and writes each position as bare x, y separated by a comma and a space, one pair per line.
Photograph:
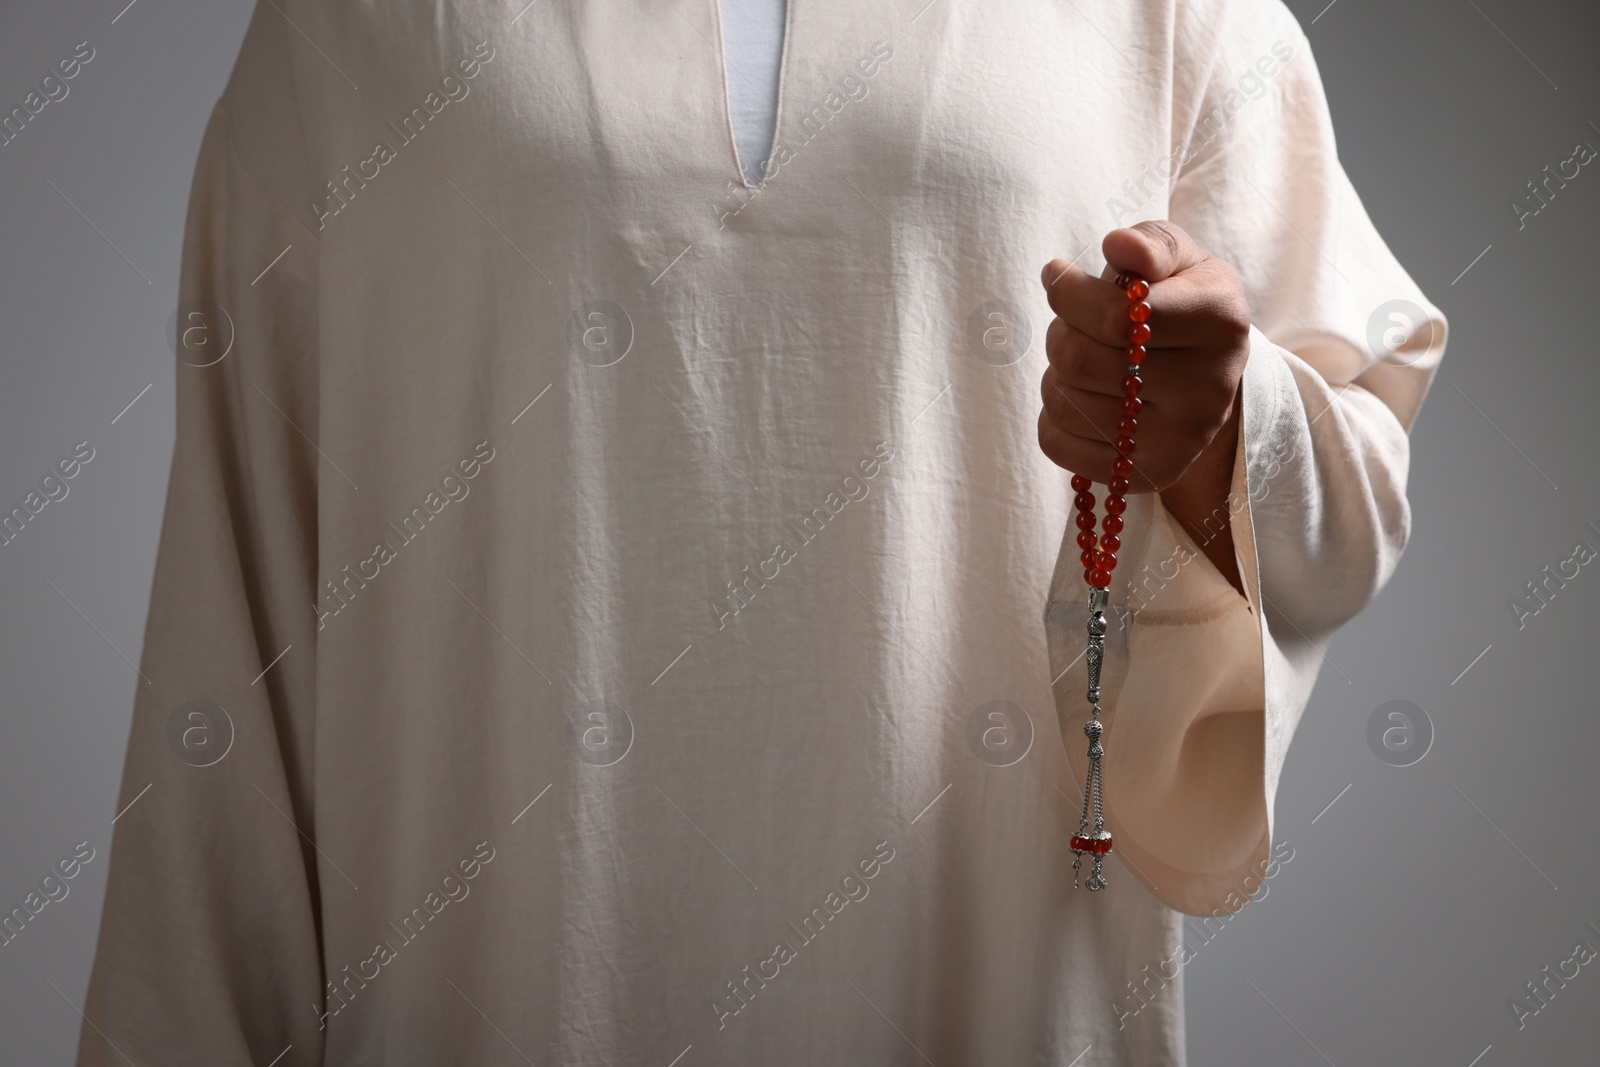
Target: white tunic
650, 552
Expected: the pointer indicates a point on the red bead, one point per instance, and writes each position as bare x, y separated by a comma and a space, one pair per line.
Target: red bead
1099, 579
1134, 354
1119, 485
1085, 538
1080, 484
1110, 543
1086, 558
1127, 427
1115, 505
1112, 525
1131, 406
1139, 311
1139, 333
1085, 519
1099, 844
1123, 279
1084, 501
1124, 445
1122, 465
1137, 288
1131, 384
1106, 561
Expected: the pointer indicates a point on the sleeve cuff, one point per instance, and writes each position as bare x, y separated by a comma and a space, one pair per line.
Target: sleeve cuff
1189, 782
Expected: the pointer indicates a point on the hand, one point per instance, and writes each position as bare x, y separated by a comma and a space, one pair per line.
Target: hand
1199, 341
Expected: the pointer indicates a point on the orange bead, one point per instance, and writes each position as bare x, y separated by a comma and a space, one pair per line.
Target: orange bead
1139, 333
1137, 288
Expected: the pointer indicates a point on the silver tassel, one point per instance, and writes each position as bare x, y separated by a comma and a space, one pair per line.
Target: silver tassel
1093, 838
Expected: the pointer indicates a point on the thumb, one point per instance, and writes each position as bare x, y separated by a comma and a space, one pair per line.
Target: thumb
1154, 250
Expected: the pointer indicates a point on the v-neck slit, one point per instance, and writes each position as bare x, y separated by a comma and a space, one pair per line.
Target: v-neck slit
727, 96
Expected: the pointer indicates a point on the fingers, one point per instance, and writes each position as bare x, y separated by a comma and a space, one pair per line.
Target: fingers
1096, 308
1077, 411
1080, 455
1154, 250
1076, 429
1083, 362
1185, 311
1087, 456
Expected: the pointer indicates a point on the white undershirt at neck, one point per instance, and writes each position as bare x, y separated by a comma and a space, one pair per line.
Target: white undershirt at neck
752, 49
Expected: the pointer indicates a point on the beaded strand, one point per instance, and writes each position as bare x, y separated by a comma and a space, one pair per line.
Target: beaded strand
1099, 559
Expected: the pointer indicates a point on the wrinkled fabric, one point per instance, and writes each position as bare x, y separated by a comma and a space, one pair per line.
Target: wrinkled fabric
618, 590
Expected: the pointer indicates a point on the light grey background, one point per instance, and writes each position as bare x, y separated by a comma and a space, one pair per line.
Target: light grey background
1415, 905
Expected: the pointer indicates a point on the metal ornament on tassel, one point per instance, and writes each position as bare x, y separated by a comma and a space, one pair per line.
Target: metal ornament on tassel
1092, 838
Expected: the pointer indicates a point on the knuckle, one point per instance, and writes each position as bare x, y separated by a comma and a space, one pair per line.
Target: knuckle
1054, 335
1163, 232
1054, 399
1049, 388
1050, 442
1236, 318
1231, 308
1052, 296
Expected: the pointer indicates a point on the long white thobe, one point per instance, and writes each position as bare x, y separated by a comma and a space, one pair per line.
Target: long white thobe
647, 567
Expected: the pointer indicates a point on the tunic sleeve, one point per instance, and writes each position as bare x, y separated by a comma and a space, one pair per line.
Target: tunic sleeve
208, 948
1343, 349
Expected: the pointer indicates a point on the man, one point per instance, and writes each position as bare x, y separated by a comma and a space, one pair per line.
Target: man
617, 580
